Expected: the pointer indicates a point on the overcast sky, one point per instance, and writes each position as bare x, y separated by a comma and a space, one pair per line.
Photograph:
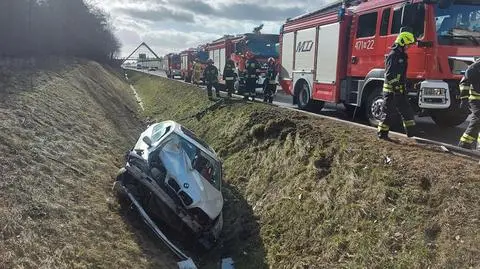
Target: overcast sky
173, 25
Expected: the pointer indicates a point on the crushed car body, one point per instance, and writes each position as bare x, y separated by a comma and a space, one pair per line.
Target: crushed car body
176, 178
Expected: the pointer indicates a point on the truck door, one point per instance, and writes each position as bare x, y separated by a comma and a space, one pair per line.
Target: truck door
415, 19
366, 48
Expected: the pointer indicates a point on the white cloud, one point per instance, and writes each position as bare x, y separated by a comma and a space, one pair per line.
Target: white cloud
174, 25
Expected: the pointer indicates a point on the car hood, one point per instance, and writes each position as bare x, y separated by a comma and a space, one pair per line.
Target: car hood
204, 195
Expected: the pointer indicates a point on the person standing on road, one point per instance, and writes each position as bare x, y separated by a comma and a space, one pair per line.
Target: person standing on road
251, 67
394, 90
197, 71
270, 86
211, 78
470, 98
229, 76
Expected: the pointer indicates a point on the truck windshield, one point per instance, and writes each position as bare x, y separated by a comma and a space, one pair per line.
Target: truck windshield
459, 24
176, 59
263, 45
202, 55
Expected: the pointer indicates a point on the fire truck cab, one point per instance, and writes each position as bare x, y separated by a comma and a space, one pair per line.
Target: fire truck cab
337, 54
186, 64
262, 46
172, 67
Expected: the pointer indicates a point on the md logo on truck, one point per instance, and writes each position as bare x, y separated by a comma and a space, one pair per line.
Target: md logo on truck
305, 46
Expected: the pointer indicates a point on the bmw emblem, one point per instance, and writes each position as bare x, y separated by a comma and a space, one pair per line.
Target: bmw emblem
185, 185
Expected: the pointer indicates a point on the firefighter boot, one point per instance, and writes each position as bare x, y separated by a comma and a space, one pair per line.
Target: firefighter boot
383, 135
465, 145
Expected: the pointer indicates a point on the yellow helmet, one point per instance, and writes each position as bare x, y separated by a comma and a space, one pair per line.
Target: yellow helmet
405, 38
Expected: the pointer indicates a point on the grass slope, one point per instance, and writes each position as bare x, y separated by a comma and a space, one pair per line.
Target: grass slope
63, 132
306, 192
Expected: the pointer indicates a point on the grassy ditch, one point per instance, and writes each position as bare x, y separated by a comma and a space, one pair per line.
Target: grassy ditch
64, 128
305, 192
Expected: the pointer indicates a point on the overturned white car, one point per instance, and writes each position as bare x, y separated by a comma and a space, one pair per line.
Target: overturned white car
176, 179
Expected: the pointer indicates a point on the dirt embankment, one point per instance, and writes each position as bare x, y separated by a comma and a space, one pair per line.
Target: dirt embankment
63, 132
305, 192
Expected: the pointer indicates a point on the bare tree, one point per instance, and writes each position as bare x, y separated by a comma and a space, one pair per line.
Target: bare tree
55, 27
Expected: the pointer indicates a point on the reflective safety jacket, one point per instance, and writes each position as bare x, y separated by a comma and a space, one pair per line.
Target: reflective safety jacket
252, 67
470, 83
210, 73
396, 66
229, 71
271, 74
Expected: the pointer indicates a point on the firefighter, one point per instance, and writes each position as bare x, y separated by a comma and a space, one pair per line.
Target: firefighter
270, 86
197, 71
211, 78
251, 68
229, 76
394, 90
470, 98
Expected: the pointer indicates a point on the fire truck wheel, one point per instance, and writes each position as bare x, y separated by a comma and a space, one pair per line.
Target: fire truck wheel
374, 107
304, 100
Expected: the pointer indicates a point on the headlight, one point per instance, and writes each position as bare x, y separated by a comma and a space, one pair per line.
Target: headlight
434, 91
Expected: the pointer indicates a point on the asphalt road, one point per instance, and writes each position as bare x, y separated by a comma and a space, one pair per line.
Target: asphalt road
428, 129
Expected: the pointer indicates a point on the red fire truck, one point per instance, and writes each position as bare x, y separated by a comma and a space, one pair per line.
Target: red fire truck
172, 65
262, 46
336, 55
187, 58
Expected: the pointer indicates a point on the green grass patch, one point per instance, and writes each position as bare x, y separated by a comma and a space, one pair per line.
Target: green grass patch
304, 192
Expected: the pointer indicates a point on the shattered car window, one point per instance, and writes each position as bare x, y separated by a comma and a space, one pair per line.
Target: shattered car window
159, 131
207, 167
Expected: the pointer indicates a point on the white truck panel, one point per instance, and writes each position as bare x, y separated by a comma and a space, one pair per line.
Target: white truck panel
305, 50
211, 54
222, 61
184, 62
327, 57
287, 55
216, 61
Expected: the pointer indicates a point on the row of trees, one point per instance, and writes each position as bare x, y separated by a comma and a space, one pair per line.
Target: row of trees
55, 27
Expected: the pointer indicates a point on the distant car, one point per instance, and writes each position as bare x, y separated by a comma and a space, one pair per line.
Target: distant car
176, 177
152, 69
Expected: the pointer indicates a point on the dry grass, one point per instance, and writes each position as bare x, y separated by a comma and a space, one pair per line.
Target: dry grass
304, 192
63, 132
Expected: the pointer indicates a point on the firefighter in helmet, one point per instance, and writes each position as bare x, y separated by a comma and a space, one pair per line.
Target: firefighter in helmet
251, 67
197, 71
394, 90
270, 86
470, 98
211, 78
229, 76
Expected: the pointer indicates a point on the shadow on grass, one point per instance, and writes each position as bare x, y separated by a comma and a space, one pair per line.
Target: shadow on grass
240, 237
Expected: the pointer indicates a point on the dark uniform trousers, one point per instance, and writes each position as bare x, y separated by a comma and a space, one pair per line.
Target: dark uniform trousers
229, 85
471, 134
394, 93
251, 85
269, 91
211, 84
396, 101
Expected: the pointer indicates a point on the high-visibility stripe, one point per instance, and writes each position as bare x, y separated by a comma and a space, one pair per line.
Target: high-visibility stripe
252, 76
467, 139
465, 88
229, 78
383, 127
408, 123
474, 97
272, 82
